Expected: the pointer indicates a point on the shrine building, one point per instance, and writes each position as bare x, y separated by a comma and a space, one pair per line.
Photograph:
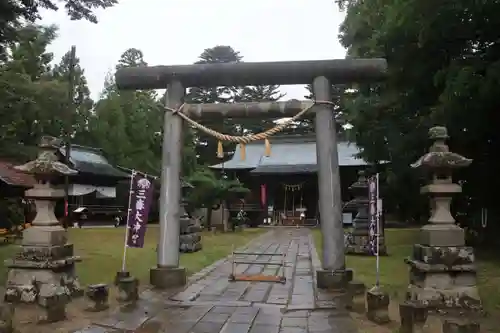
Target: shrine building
284, 185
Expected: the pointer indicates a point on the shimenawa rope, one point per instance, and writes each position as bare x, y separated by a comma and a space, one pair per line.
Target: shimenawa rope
244, 139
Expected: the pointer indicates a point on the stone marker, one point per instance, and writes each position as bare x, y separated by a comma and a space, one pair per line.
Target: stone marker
120, 275
413, 316
43, 270
53, 299
220, 218
460, 326
377, 305
98, 295
442, 268
128, 289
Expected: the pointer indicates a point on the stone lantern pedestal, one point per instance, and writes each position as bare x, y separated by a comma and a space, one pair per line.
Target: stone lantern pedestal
43, 271
360, 242
442, 268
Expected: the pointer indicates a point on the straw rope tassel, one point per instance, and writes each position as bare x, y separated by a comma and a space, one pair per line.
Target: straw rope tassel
267, 150
243, 151
220, 150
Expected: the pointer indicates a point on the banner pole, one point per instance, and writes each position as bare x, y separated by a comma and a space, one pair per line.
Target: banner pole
125, 246
378, 231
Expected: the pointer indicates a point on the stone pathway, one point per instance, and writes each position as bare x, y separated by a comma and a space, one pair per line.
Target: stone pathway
212, 304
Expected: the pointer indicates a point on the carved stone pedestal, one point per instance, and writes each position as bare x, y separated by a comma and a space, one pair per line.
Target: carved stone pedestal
53, 300
442, 268
43, 271
334, 280
444, 277
167, 277
97, 294
128, 289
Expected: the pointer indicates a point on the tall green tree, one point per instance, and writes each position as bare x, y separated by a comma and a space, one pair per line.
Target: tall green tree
80, 116
127, 123
206, 145
269, 93
32, 91
306, 125
109, 129
443, 65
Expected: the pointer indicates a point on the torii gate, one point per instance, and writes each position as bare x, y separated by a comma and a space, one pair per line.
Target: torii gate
321, 73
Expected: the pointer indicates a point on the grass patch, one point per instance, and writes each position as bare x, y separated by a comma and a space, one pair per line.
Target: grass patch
101, 250
394, 272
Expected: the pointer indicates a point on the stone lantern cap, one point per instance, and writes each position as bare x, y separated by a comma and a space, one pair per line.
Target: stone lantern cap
439, 156
47, 163
359, 189
361, 183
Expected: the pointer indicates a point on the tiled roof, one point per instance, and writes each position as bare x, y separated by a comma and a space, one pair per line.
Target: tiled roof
91, 160
288, 155
12, 177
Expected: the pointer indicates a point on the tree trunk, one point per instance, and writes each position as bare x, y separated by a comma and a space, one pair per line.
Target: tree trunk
224, 216
209, 218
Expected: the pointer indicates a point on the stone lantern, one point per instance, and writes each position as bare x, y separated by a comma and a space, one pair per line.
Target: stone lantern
360, 243
442, 268
43, 271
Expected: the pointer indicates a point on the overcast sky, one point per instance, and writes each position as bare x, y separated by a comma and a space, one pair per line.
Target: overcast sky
175, 32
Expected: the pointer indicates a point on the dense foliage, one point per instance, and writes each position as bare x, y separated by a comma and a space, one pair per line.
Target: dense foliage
444, 68
127, 125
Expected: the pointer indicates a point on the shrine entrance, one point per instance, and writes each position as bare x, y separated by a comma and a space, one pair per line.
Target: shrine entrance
322, 74
292, 211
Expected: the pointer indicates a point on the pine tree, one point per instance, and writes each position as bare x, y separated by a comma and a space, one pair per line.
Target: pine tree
207, 145
82, 103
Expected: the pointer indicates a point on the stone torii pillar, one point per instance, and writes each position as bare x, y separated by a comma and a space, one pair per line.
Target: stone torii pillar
322, 74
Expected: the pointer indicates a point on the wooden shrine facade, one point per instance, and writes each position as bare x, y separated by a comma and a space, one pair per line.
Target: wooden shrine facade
284, 185
94, 187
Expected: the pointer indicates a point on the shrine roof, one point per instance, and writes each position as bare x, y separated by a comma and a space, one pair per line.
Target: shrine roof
12, 177
91, 160
156, 178
289, 154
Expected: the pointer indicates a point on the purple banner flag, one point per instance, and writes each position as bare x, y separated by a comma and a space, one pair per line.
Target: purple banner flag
372, 227
141, 195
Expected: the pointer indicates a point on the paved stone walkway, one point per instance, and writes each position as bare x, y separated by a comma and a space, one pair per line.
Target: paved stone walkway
212, 304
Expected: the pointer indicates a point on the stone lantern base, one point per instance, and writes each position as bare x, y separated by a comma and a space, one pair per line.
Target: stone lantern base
443, 276
43, 273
